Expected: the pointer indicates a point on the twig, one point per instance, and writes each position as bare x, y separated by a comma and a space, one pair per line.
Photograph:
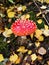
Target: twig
41, 13
45, 19
36, 5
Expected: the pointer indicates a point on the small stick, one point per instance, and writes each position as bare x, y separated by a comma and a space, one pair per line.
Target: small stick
45, 19
36, 5
41, 13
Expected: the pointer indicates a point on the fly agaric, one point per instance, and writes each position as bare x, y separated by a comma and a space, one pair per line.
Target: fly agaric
23, 27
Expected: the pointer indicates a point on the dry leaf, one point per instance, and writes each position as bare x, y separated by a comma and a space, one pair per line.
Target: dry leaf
18, 60
47, 1
1, 58
46, 27
33, 57
45, 32
31, 35
37, 44
11, 14
7, 32
26, 16
39, 21
38, 33
22, 49
13, 58
29, 51
24, 8
41, 38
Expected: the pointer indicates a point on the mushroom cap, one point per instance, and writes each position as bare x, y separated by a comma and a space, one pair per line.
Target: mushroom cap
23, 27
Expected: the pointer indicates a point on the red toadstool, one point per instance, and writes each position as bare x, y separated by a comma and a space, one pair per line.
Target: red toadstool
23, 27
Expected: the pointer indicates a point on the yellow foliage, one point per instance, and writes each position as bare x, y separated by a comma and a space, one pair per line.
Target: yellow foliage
26, 16
37, 44
29, 51
18, 60
42, 1
33, 57
41, 38
7, 32
22, 49
31, 35
13, 58
23, 8
46, 27
10, 9
38, 33
1, 58
11, 14
47, 1
39, 21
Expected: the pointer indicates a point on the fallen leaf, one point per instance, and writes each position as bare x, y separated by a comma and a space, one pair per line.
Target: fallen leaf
37, 44
38, 33
33, 57
13, 58
39, 21
24, 8
7, 32
18, 60
22, 49
41, 38
1, 58
11, 14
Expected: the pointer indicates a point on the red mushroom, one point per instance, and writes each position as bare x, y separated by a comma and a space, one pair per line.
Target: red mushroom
23, 27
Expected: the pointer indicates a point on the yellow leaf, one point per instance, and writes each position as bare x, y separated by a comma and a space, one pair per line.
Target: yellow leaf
23, 8
22, 49
27, 16
39, 21
47, 1
33, 57
39, 57
1, 58
18, 60
29, 51
11, 14
42, 1
37, 44
13, 58
41, 38
10, 9
31, 35
7, 32
46, 32
46, 27
38, 33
